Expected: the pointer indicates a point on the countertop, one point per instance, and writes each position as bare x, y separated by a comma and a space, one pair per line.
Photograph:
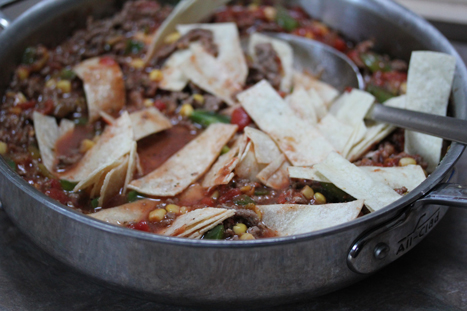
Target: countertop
432, 276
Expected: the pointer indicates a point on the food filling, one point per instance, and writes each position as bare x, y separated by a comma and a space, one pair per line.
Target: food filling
217, 134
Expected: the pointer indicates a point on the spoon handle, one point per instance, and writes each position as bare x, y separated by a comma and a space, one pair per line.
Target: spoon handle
445, 127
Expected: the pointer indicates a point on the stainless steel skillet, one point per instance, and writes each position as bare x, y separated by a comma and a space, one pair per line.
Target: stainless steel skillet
254, 273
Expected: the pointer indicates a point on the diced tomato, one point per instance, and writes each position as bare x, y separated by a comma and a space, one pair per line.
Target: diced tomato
108, 61
159, 104
282, 199
58, 195
389, 162
395, 76
348, 89
340, 45
241, 118
55, 184
27, 105
207, 201
47, 107
229, 195
141, 226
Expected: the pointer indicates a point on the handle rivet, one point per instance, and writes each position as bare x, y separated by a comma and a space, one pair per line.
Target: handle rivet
381, 251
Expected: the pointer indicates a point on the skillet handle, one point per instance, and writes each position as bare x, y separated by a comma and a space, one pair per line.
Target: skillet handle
388, 241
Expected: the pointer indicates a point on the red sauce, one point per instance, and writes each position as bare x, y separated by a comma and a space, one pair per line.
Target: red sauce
70, 142
158, 148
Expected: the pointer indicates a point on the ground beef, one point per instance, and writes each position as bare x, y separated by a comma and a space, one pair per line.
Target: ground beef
267, 66
205, 37
401, 191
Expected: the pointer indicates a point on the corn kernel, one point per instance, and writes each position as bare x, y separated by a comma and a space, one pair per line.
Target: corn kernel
50, 83
407, 161
186, 110
247, 236
3, 147
172, 208
258, 213
86, 145
253, 7
198, 98
319, 198
22, 73
20, 98
183, 210
403, 88
15, 110
239, 229
270, 13
137, 63
148, 102
215, 195
246, 189
64, 86
157, 215
308, 192
156, 75
171, 38
96, 138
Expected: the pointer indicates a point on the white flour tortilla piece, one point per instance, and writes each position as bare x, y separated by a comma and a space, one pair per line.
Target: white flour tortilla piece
299, 141
284, 52
148, 121
230, 54
195, 223
335, 131
409, 176
301, 103
320, 107
355, 107
327, 92
266, 149
275, 175
65, 127
221, 173
127, 213
173, 76
338, 103
187, 165
46, 130
113, 144
205, 71
249, 167
356, 182
429, 83
133, 162
358, 135
374, 134
395, 177
103, 85
114, 181
290, 219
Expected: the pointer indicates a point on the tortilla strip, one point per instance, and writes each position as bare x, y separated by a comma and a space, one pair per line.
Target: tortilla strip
187, 11
187, 165
290, 219
284, 52
356, 182
249, 167
103, 85
275, 175
173, 76
132, 166
335, 131
374, 134
354, 107
301, 103
148, 121
113, 181
429, 83
230, 54
299, 141
114, 143
395, 177
195, 223
221, 171
327, 92
46, 129
358, 135
127, 213
266, 149
65, 127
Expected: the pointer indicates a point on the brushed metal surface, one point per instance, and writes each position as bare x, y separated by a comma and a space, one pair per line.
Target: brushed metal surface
192, 272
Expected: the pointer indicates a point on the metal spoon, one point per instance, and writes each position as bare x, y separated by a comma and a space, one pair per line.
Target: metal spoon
341, 72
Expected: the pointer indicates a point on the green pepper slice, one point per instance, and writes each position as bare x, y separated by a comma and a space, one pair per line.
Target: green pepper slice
67, 185
29, 56
284, 19
375, 62
95, 202
67, 74
206, 118
379, 93
132, 196
133, 47
216, 233
243, 200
